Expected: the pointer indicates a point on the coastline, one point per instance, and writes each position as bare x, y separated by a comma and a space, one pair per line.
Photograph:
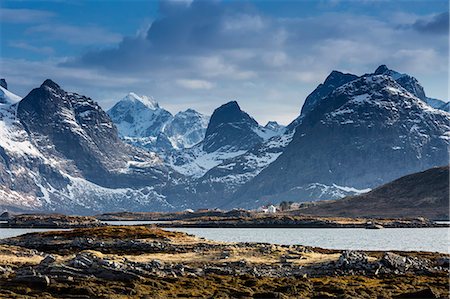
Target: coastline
132, 261
222, 220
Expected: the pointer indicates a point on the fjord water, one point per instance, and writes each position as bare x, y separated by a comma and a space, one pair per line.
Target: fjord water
14, 232
403, 239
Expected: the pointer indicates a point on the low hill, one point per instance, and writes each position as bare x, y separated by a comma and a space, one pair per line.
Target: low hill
422, 194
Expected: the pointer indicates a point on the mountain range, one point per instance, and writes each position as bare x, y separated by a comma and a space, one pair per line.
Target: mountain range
60, 151
141, 122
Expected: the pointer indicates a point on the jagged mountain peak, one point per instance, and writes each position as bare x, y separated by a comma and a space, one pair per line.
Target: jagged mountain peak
77, 129
333, 81
362, 134
142, 122
382, 69
413, 86
408, 82
272, 125
228, 126
50, 84
189, 110
187, 113
133, 98
229, 113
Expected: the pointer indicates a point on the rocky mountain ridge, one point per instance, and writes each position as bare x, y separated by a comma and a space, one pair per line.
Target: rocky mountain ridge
59, 151
142, 122
364, 133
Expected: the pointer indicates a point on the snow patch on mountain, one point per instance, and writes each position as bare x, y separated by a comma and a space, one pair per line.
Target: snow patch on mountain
236, 171
142, 122
323, 191
7, 97
195, 162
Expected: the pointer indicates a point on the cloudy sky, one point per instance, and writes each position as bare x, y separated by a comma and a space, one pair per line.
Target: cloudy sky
268, 55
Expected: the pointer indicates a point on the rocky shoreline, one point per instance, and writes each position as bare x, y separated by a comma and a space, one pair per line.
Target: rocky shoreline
251, 219
139, 261
301, 222
50, 221
214, 219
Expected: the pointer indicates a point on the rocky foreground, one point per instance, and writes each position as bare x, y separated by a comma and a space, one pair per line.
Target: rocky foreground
146, 262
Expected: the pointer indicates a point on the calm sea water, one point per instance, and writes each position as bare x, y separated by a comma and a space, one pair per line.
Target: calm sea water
406, 239
132, 222
14, 232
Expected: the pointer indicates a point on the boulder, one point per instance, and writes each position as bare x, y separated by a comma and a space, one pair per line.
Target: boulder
351, 259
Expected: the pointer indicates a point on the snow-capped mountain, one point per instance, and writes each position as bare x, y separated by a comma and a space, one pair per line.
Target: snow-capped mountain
333, 81
366, 132
142, 122
228, 127
59, 151
412, 85
186, 128
7, 97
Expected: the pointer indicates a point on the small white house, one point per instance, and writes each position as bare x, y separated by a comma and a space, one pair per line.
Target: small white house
189, 211
271, 209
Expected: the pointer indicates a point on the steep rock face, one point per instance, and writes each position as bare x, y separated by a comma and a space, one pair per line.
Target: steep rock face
82, 132
408, 82
59, 151
423, 194
412, 85
365, 133
231, 132
333, 81
223, 180
228, 127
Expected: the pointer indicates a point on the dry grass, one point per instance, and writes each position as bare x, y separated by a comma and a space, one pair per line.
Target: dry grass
119, 232
250, 255
12, 255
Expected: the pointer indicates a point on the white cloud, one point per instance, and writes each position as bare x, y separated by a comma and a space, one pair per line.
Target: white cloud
195, 84
26, 46
244, 22
9, 15
204, 53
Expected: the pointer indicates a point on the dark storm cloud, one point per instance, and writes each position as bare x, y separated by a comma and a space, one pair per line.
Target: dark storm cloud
438, 24
199, 54
208, 39
201, 28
